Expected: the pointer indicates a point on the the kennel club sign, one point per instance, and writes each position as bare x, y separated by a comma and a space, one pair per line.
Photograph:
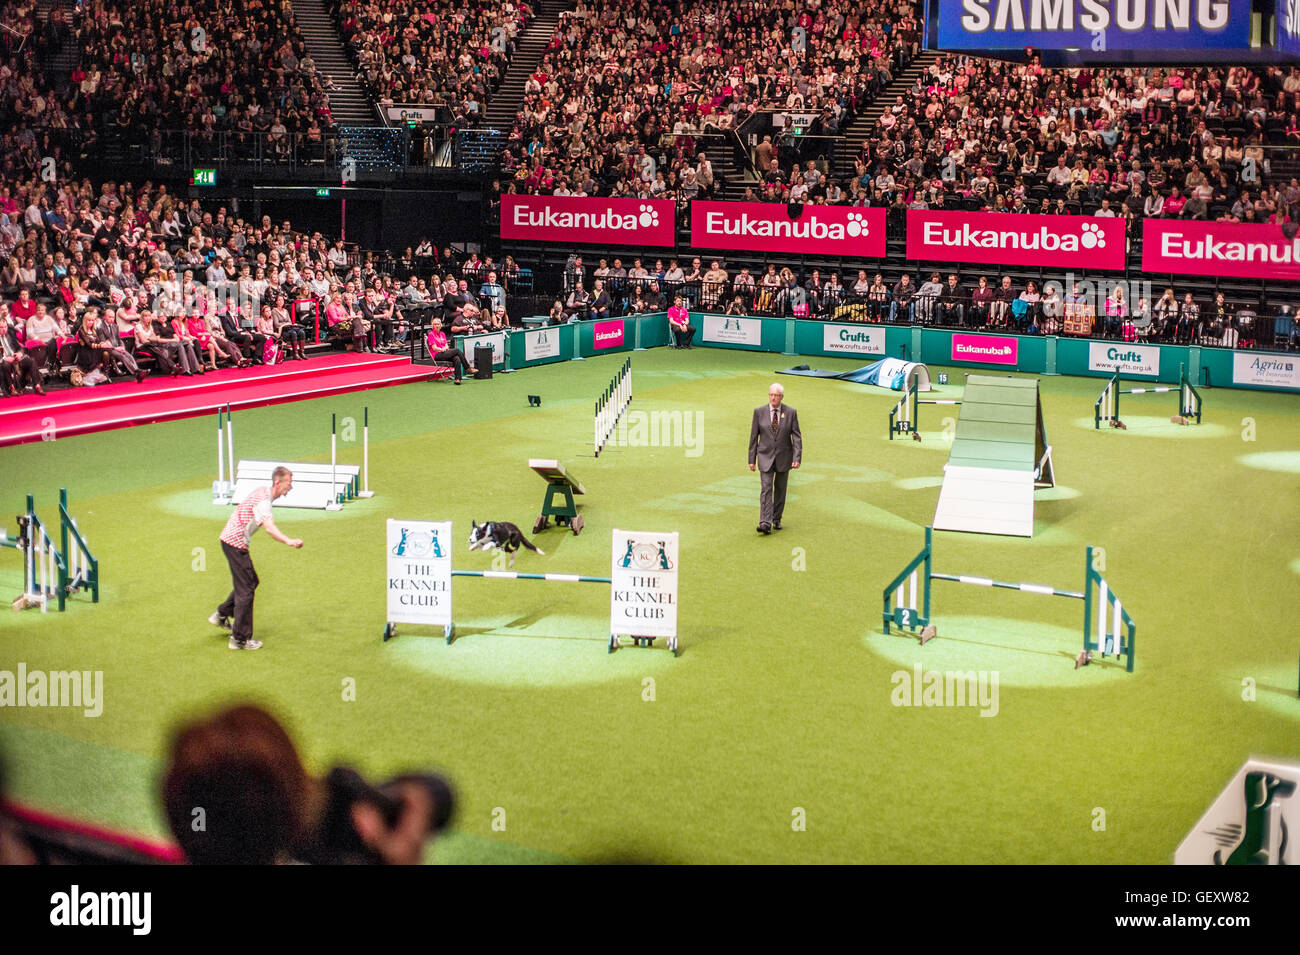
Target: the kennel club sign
799, 229
1248, 250
541, 343
1253, 822
1023, 239
605, 221
419, 572
1121, 24
733, 330
643, 584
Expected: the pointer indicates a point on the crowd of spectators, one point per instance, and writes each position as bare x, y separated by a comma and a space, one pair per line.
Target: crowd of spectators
623, 93
432, 52
146, 70
1119, 310
1184, 142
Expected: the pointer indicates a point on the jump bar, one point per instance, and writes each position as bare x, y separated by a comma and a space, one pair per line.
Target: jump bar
1024, 588
512, 575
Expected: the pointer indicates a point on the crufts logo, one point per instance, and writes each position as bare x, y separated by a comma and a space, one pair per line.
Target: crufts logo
74, 907
1255, 820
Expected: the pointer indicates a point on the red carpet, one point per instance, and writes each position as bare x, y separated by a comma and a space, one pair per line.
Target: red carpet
82, 410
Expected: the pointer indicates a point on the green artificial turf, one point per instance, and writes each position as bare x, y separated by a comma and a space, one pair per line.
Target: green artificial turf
781, 707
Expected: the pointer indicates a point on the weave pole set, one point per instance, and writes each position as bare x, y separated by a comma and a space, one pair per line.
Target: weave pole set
611, 405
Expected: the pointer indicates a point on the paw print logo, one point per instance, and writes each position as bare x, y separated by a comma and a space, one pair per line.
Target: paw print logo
649, 217
857, 225
1092, 237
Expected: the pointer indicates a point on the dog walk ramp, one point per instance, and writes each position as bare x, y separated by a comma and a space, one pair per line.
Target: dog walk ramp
999, 454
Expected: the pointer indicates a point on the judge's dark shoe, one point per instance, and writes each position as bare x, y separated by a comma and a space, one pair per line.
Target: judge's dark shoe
765, 528
776, 526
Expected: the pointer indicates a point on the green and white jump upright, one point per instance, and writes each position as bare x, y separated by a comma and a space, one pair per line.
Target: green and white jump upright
1114, 631
1107, 406
904, 417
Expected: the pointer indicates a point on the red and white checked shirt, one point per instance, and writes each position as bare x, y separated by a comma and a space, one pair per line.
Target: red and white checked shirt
248, 517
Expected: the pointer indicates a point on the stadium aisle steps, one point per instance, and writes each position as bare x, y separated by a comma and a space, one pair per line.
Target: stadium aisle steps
530, 46
348, 104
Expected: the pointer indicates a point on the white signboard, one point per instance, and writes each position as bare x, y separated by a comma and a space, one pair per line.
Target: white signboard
1128, 359
542, 343
496, 341
853, 339
643, 592
1253, 822
421, 114
419, 572
733, 330
1267, 371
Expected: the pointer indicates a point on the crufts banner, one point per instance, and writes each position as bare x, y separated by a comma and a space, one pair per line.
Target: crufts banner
1030, 239
1083, 24
645, 222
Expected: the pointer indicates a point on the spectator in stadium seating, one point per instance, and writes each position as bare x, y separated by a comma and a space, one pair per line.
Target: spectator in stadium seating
600, 301
1165, 316
165, 355
876, 295
492, 293
927, 299
952, 302
901, 298
1189, 319
578, 305
18, 370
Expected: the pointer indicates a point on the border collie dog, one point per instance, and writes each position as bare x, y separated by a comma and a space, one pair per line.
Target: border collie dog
500, 535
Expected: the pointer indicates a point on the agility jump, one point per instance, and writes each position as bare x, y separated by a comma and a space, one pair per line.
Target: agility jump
52, 570
904, 418
611, 405
1107, 406
1112, 619
315, 485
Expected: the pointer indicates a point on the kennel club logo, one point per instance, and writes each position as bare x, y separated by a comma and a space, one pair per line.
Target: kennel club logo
418, 544
1255, 820
644, 555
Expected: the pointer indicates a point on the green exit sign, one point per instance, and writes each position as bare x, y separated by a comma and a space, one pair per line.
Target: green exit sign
322, 193
204, 177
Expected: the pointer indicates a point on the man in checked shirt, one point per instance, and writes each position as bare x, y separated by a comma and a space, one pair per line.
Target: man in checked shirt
254, 512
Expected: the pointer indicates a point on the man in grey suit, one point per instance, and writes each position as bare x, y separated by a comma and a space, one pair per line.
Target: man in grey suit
775, 446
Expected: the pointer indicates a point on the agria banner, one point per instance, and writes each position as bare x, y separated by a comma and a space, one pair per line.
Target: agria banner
1082, 24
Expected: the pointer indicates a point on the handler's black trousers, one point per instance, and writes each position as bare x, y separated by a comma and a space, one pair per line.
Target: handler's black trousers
239, 604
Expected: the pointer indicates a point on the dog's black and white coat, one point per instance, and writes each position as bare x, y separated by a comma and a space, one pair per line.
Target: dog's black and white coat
500, 535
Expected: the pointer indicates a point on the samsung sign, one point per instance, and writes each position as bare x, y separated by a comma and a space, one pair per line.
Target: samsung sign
1083, 24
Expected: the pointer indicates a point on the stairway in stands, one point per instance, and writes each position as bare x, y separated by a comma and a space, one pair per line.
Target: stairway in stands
849, 148
530, 45
58, 62
348, 104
